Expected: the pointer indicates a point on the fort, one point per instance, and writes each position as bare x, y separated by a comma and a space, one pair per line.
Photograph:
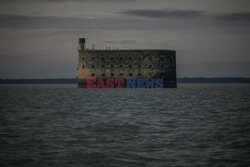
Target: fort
136, 63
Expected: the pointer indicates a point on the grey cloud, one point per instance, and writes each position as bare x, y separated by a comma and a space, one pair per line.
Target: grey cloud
41, 22
32, 22
63, 1
214, 18
165, 13
175, 20
89, 0
69, 24
234, 17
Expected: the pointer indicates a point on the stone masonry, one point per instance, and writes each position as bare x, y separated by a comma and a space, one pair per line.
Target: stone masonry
126, 63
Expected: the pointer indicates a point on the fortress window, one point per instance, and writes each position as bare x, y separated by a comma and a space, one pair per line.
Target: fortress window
93, 74
103, 66
112, 74
130, 74
103, 74
111, 58
93, 58
150, 58
150, 66
139, 74
121, 58
139, 66
130, 58
112, 66
121, 74
93, 66
130, 66
121, 66
82, 58
82, 66
102, 58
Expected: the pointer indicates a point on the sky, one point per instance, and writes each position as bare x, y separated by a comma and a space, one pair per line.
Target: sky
39, 38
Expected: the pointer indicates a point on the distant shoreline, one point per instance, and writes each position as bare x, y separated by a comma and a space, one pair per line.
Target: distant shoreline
74, 80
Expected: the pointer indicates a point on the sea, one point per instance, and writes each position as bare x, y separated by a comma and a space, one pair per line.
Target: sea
62, 125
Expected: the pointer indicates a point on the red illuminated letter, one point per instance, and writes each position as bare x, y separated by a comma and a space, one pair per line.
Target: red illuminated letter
110, 83
100, 84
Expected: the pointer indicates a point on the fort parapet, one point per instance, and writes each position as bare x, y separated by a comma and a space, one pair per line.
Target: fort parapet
138, 63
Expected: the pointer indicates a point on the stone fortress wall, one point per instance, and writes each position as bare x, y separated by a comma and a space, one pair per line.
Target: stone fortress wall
126, 63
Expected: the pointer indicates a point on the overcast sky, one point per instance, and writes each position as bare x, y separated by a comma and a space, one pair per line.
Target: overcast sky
39, 38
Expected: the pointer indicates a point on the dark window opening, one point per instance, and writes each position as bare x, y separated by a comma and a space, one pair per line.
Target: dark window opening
93, 74
139, 58
130, 74
112, 58
82, 66
121, 66
121, 74
130, 58
139, 66
112, 74
103, 74
150, 66
93, 58
130, 66
161, 66
93, 66
121, 58
150, 58
103, 66
112, 66
139, 74
102, 58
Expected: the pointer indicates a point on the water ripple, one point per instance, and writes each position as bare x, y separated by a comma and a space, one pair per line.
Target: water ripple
194, 125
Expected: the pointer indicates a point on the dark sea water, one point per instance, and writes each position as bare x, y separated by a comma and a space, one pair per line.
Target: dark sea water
61, 125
